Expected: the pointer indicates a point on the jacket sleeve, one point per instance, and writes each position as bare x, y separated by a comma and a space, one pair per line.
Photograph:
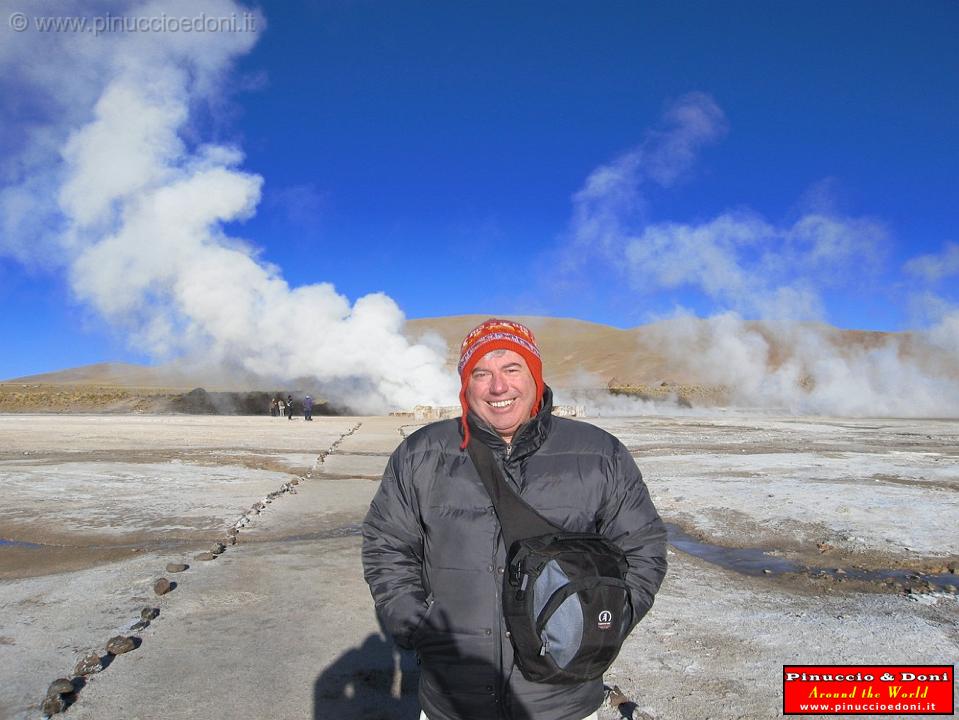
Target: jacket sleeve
629, 519
393, 552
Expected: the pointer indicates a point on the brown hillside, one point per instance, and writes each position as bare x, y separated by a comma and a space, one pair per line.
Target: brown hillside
575, 352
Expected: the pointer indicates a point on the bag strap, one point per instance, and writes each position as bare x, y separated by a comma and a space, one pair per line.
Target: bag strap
517, 518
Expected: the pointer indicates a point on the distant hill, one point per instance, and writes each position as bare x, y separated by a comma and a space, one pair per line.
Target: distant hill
113, 374
575, 353
580, 353
652, 361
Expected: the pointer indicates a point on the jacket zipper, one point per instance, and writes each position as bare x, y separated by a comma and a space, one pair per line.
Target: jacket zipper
504, 673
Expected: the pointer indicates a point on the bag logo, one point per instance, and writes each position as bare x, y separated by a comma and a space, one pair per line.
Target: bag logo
605, 620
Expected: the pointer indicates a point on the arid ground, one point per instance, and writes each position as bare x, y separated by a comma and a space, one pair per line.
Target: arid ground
796, 540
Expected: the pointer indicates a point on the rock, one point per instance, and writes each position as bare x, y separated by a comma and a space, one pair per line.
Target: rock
162, 586
217, 548
205, 556
120, 644
176, 567
53, 704
149, 613
616, 697
89, 665
61, 686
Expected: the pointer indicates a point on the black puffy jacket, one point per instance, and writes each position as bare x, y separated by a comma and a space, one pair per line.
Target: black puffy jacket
434, 558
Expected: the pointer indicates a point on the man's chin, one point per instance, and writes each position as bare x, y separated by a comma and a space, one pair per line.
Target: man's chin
502, 425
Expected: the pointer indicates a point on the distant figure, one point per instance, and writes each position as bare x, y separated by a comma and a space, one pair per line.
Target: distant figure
289, 407
308, 408
274, 408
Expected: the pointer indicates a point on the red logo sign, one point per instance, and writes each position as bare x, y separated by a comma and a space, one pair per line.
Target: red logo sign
868, 689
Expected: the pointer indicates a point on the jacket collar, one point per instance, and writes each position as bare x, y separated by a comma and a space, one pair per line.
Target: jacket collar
529, 436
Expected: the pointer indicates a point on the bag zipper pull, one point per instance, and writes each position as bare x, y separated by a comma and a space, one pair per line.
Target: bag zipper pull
521, 593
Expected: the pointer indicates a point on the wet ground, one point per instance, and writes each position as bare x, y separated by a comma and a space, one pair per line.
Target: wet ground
793, 540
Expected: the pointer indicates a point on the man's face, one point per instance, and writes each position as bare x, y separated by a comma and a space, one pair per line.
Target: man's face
502, 391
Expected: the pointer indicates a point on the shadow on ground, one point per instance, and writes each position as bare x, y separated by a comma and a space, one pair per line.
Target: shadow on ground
374, 681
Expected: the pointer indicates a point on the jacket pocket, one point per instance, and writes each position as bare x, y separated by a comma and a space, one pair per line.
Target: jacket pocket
423, 625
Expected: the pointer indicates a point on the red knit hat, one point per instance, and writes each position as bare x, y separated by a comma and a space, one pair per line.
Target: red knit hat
498, 335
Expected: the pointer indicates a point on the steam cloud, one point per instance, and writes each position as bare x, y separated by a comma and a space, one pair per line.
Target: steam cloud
749, 267
112, 185
102, 175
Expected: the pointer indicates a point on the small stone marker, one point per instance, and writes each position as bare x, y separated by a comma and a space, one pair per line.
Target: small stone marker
616, 697
52, 705
162, 586
176, 567
61, 686
89, 665
120, 644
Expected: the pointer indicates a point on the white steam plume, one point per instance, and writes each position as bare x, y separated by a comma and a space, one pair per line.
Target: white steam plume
934, 270
137, 212
612, 198
812, 369
745, 265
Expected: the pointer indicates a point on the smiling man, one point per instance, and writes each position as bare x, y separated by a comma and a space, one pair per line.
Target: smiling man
433, 552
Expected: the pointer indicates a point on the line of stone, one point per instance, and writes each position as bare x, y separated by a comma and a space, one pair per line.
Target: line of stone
62, 692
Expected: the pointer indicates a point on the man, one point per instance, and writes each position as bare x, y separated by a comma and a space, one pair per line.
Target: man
432, 551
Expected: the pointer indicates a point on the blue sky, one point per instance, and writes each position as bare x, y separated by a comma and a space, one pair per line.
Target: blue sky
435, 152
